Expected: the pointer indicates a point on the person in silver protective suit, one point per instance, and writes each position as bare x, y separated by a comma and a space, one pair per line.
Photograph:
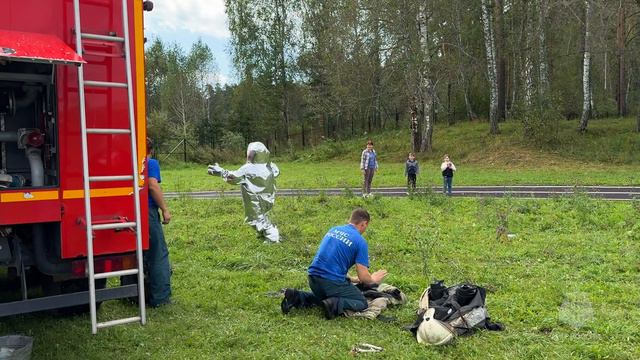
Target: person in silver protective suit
258, 187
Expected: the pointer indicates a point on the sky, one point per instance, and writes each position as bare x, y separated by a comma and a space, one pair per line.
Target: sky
186, 21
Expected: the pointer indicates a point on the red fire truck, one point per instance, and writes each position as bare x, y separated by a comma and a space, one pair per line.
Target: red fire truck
73, 203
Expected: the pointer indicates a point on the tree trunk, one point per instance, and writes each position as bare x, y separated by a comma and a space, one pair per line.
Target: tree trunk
586, 70
425, 84
281, 15
528, 59
415, 136
450, 119
471, 115
620, 42
543, 72
491, 67
501, 76
377, 77
427, 123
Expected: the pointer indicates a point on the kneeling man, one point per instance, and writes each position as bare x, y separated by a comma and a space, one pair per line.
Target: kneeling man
340, 249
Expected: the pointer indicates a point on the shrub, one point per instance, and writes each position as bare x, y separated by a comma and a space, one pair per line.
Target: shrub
231, 141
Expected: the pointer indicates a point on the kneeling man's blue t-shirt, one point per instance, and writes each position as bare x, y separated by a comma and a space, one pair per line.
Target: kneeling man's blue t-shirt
340, 249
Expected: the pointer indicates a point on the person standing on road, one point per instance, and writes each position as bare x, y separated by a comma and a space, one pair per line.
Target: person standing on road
156, 259
411, 170
332, 288
448, 169
368, 166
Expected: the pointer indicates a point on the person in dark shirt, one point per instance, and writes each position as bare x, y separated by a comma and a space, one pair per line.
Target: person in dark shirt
448, 169
411, 170
332, 288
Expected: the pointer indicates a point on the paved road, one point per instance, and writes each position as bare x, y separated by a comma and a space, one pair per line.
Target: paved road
601, 192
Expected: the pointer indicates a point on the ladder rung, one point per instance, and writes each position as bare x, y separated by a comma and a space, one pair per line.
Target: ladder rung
113, 226
110, 178
108, 131
102, 37
106, 275
105, 84
118, 322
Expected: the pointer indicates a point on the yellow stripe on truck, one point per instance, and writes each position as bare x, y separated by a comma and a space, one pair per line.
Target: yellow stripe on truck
98, 193
138, 28
29, 196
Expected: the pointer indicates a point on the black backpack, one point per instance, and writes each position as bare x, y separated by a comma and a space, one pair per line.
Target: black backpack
461, 306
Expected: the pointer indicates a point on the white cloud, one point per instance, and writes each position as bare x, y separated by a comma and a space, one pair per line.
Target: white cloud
202, 17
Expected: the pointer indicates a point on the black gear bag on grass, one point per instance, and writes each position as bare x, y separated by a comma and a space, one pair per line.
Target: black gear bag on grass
462, 307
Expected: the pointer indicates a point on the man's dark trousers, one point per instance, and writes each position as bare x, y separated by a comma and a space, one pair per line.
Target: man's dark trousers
349, 297
156, 261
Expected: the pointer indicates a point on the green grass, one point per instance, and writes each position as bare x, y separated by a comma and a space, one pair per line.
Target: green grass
565, 287
341, 174
606, 155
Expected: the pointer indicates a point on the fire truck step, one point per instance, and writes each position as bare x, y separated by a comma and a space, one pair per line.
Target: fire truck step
114, 226
110, 274
110, 178
105, 324
108, 131
105, 84
102, 37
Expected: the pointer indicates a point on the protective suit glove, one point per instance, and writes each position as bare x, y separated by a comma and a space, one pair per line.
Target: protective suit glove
216, 170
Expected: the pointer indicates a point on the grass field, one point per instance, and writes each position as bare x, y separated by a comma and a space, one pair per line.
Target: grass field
606, 155
341, 174
566, 287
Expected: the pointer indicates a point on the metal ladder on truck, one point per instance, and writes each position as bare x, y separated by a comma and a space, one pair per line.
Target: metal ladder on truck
88, 179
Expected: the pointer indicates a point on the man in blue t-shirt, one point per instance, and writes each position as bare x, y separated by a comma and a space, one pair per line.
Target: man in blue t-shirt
340, 249
156, 259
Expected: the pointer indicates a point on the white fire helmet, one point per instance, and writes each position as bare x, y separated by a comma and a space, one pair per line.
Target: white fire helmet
434, 332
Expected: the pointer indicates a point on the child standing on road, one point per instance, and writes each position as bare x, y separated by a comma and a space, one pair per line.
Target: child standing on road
411, 170
448, 169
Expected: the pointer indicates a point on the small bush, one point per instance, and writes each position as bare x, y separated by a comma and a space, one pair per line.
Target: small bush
231, 141
329, 149
540, 126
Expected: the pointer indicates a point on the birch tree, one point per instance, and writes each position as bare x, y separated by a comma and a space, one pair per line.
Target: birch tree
586, 70
501, 74
543, 71
426, 90
527, 70
492, 75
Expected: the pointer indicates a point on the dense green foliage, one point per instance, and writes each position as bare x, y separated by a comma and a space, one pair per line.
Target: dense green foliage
312, 70
565, 286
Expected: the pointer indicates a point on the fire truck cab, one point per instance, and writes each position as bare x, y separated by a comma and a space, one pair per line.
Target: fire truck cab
50, 73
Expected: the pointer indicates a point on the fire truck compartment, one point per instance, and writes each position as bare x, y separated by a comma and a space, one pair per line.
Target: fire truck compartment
28, 136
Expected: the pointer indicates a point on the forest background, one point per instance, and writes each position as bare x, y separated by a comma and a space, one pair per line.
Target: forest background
312, 71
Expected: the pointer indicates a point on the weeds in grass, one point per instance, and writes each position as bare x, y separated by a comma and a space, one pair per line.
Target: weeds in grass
348, 193
322, 197
426, 240
431, 197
